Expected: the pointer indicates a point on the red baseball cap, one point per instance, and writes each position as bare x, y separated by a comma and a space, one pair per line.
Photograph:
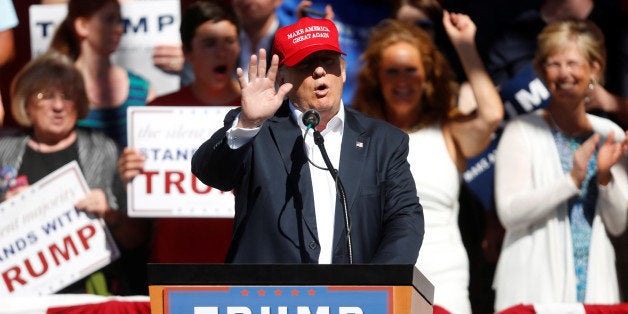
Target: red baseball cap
308, 35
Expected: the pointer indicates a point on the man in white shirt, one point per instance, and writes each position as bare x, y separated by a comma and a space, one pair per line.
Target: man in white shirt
287, 212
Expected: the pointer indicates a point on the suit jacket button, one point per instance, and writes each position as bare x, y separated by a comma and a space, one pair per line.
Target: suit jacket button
313, 245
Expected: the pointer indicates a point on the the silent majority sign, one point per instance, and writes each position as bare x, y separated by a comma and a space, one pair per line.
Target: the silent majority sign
168, 138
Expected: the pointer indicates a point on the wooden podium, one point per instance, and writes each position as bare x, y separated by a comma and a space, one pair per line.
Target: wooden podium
288, 289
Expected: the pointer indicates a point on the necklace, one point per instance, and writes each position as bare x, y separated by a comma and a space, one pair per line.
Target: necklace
559, 129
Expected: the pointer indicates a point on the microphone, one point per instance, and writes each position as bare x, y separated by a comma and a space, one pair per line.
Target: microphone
319, 141
311, 118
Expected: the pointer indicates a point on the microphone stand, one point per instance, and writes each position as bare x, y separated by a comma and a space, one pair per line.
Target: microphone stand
318, 140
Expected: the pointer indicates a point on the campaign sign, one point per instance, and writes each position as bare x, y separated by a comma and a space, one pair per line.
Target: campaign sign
146, 24
279, 299
168, 138
524, 93
45, 243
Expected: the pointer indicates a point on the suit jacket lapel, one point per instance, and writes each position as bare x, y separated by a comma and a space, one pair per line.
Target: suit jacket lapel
288, 140
284, 133
352, 157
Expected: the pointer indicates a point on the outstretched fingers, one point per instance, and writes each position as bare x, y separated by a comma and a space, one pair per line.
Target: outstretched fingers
274, 67
283, 90
253, 68
260, 99
241, 79
257, 69
261, 64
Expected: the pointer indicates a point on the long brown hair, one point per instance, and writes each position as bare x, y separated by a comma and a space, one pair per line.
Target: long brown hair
440, 86
65, 39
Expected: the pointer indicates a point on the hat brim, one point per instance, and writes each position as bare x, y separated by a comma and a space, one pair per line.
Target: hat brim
301, 54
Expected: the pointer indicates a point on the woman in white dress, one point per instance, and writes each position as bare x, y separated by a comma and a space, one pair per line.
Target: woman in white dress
561, 182
407, 82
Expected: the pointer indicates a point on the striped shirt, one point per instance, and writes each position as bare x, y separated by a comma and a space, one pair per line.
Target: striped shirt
112, 121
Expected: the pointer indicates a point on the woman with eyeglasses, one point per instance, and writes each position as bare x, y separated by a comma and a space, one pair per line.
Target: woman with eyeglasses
47, 97
407, 82
560, 182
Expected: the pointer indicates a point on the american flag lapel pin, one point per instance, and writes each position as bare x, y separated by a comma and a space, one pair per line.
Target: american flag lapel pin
359, 144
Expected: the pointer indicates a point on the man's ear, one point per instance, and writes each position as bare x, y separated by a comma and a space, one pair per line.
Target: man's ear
343, 69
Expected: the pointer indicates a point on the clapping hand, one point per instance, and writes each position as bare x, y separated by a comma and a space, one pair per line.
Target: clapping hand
609, 154
260, 100
581, 158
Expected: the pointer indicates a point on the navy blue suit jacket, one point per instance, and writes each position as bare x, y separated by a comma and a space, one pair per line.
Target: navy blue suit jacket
275, 220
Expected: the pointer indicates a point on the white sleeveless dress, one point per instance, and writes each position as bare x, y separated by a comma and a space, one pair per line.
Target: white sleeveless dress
442, 258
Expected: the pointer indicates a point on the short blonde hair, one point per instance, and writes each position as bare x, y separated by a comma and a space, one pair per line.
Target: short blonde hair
50, 70
556, 36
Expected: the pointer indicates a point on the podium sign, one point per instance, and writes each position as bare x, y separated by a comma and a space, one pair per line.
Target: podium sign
278, 299
288, 288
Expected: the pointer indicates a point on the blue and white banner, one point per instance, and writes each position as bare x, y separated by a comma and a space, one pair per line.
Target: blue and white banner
524, 93
279, 299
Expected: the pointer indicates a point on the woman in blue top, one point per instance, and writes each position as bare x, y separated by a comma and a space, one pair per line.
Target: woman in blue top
90, 34
561, 185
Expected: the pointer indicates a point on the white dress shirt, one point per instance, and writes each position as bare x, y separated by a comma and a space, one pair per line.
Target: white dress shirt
323, 185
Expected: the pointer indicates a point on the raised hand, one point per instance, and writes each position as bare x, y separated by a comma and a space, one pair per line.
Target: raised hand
329, 11
168, 58
608, 155
460, 28
260, 100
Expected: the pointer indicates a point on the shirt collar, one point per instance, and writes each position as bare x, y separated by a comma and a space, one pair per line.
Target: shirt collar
335, 124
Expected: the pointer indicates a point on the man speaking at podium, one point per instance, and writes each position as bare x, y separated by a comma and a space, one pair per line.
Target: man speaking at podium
280, 159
